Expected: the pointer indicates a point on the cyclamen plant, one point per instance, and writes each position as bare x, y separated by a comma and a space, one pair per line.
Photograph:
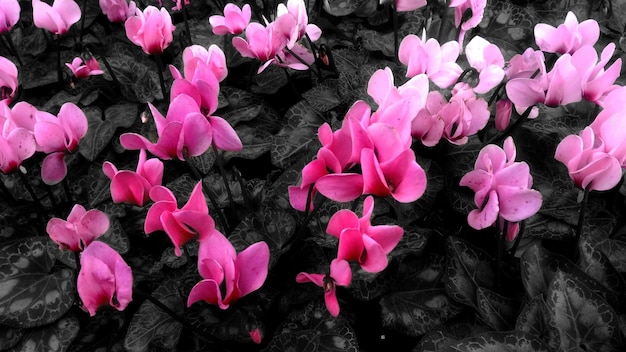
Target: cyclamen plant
446, 191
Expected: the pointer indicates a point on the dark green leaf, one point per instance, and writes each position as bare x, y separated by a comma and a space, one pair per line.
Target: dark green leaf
121, 115
615, 250
37, 73
116, 237
298, 136
509, 26
514, 341
31, 292
322, 97
468, 269
323, 332
596, 264
440, 338
341, 7
55, 337
376, 41
256, 142
205, 161
138, 82
418, 302
98, 135
9, 337
232, 324
496, 310
533, 318
274, 226
580, 318
151, 327
270, 80
242, 105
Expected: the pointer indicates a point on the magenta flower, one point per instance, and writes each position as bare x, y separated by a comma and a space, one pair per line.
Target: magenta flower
9, 15
57, 18
360, 241
428, 57
151, 30
56, 136
409, 5
567, 37
589, 164
134, 187
265, 43
502, 188
234, 21
228, 276
180, 225
340, 275
83, 70
487, 59
81, 228
8, 79
477, 8
118, 10
104, 278
185, 132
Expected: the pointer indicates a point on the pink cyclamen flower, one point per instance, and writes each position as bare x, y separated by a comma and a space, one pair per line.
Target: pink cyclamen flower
228, 276
179, 4
91, 67
595, 81
8, 79
17, 141
487, 59
178, 224
297, 9
502, 188
118, 10
360, 241
134, 187
340, 275
104, 278
234, 21
460, 6
151, 30
81, 228
265, 43
58, 135
57, 18
567, 37
183, 133
256, 336
409, 5
9, 15
589, 164
438, 62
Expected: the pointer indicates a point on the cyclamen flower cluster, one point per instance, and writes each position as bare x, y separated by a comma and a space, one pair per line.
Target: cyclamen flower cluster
359, 241
275, 42
190, 128
104, 277
379, 143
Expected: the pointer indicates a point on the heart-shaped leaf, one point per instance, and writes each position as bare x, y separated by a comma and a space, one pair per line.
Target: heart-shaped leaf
98, 135
56, 337
121, 115
9, 337
322, 97
580, 318
270, 80
514, 341
33, 292
533, 318
298, 136
596, 264
498, 311
151, 327
468, 269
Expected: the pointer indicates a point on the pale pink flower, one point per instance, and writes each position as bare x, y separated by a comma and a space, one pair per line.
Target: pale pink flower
57, 18
487, 59
118, 10
9, 14
297, 9
17, 141
595, 81
234, 21
428, 57
151, 29
567, 37
8, 79
502, 188
409, 5
477, 10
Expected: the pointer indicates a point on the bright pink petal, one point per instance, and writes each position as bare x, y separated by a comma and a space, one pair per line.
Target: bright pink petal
252, 266
374, 259
350, 245
224, 136
343, 219
341, 187
485, 217
53, 168
517, 204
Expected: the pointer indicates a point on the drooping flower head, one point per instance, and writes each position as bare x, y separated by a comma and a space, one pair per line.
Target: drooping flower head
104, 278
151, 29
134, 187
340, 275
81, 69
81, 228
477, 8
502, 188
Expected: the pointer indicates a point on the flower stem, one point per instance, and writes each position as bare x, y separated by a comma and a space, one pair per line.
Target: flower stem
40, 210
220, 165
186, 20
82, 22
581, 222
395, 31
59, 72
159, 63
518, 239
7, 194
66, 189
500, 250
186, 325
